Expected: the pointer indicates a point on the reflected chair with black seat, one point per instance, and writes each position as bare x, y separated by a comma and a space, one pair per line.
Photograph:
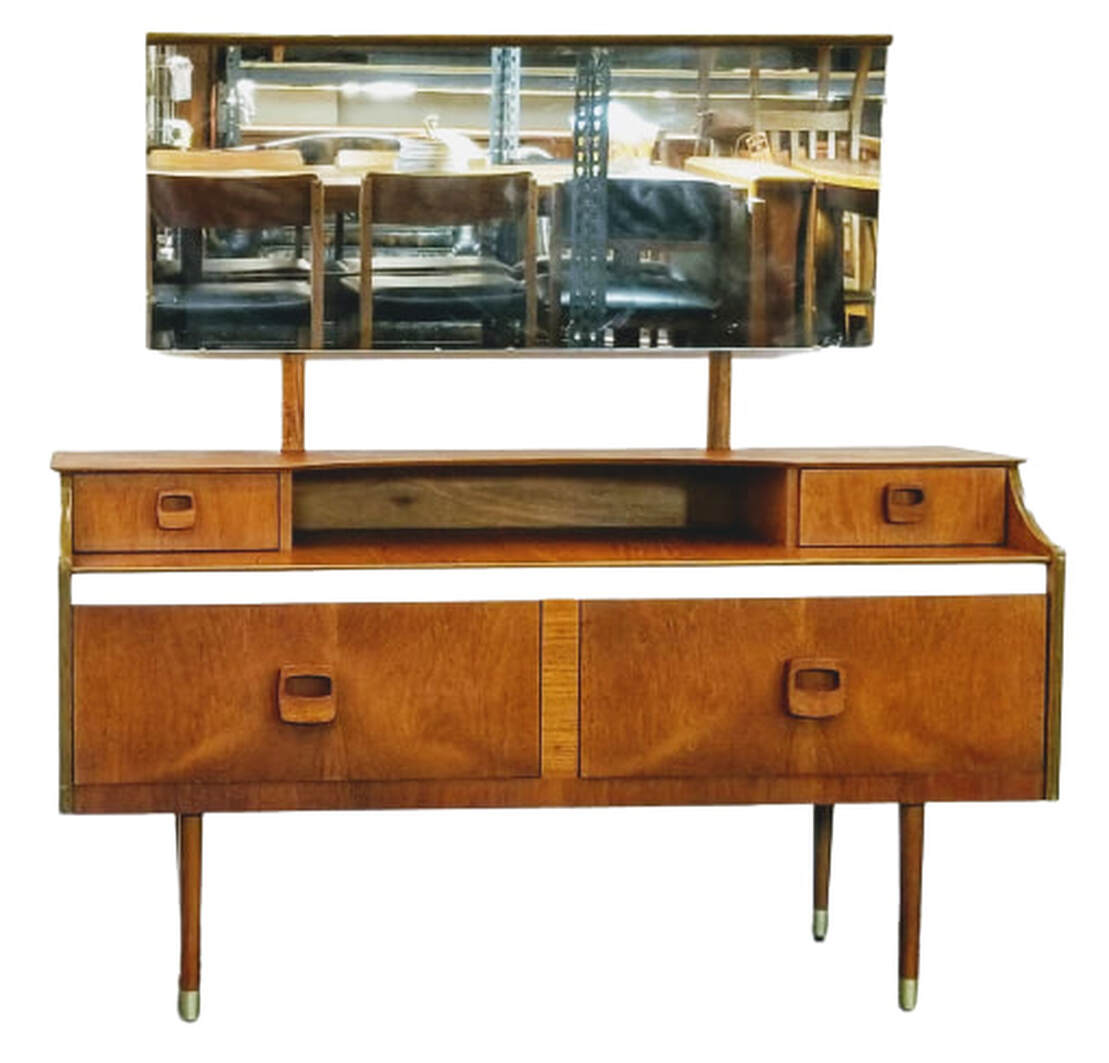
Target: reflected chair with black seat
480, 292
672, 277
195, 311
271, 254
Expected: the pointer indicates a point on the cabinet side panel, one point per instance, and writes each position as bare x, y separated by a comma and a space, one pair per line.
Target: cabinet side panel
65, 650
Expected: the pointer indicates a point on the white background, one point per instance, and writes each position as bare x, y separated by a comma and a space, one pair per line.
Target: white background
649, 934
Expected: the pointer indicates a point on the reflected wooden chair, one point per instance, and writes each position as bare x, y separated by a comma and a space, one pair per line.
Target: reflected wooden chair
197, 312
790, 128
788, 123
257, 256
486, 299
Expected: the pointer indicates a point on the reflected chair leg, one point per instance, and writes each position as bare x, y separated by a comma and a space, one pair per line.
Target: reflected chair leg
912, 860
188, 874
821, 868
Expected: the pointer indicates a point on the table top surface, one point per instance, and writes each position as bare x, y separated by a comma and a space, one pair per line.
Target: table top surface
739, 172
229, 461
748, 173
842, 173
743, 173
546, 174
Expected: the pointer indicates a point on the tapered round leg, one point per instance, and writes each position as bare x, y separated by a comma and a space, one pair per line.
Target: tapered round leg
188, 872
912, 861
821, 868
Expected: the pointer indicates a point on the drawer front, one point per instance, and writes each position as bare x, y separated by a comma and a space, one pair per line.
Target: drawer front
902, 507
197, 694
819, 687
132, 511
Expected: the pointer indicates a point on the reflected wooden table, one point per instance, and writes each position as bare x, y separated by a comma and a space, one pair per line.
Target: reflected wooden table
341, 184
844, 184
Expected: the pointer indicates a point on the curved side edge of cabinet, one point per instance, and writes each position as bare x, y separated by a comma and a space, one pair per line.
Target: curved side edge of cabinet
65, 651
1023, 531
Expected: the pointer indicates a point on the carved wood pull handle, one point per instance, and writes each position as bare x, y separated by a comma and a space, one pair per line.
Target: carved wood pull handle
175, 510
905, 503
306, 694
816, 687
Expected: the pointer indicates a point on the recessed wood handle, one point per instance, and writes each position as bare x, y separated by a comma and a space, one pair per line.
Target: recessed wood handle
175, 510
816, 687
306, 694
905, 503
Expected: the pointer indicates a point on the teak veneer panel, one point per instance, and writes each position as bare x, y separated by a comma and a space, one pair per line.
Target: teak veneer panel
933, 685
559, 792
560, 688
188, 694
248, 460
847, 507
116, 512
497, 549
578, 497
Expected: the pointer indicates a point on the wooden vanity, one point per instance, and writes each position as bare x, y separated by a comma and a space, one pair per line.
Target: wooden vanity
310, 630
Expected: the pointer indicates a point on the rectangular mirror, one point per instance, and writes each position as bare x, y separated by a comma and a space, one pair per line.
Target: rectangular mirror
409, 195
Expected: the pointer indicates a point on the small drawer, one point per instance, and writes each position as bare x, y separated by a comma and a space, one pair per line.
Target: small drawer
131, 511
902, 507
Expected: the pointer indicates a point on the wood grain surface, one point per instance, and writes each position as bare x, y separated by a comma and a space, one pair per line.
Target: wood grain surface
189, 694
848, 507
697, 688
118, 511
559, 792
493, 549
585, 497
560, 688
189, 861
1025, 532
249, 460
720, 401
911, 835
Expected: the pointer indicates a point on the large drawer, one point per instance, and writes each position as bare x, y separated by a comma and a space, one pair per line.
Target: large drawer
903, 507
287, 693
132, 511
819, 687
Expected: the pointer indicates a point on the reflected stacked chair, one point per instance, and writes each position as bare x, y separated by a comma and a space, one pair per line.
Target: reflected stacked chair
271, 254
478, 292
201, 308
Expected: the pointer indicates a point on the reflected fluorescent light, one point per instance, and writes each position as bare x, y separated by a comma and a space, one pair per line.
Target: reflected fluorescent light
379, 90
625, 124
390, 90
662, 94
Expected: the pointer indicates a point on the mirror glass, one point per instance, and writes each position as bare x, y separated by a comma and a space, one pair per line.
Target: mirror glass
407, 195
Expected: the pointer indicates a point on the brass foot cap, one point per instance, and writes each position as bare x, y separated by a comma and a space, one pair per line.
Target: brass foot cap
906, 993
188, 1004
820, 923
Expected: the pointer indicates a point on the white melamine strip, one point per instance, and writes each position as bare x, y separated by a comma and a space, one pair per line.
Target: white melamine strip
531, 584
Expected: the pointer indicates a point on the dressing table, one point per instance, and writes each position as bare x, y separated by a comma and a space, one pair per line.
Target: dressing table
300, 629
677, 689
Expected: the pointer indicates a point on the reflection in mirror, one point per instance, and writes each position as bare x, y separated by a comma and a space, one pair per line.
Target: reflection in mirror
406, 195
